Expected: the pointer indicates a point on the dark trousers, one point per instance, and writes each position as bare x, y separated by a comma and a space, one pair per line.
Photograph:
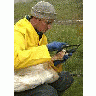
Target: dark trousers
54, 89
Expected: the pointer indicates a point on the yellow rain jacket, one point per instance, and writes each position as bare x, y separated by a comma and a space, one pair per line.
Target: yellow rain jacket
28, 50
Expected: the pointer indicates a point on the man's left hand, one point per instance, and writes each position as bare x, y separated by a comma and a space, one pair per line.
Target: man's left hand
65, 57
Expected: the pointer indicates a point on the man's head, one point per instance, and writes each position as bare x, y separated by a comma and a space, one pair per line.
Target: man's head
43, 15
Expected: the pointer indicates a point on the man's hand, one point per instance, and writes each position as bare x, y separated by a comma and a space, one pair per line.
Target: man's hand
60, 57
56, 62
55, 46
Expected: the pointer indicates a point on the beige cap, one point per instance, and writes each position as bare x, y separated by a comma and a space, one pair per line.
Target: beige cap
43, 10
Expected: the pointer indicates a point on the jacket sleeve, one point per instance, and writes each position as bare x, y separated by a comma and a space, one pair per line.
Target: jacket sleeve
24, 58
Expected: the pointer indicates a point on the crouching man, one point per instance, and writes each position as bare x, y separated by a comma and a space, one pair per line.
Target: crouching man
31, 48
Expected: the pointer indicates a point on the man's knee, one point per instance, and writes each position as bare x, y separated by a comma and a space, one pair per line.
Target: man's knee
64, 82
65, 76
45, 90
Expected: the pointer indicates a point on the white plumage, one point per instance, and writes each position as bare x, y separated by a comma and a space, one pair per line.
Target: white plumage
31, 77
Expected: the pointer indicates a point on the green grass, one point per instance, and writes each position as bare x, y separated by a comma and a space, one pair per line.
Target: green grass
71, 34
65, 9
76, 88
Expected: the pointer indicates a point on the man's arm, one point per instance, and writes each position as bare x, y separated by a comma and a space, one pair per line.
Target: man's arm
24, 58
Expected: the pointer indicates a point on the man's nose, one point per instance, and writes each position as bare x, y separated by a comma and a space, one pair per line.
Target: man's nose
49, 26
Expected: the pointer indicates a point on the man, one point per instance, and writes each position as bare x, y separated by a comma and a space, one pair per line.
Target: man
31, 48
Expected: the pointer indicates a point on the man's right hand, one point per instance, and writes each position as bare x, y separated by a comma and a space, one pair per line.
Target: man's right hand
60, 57
55, 46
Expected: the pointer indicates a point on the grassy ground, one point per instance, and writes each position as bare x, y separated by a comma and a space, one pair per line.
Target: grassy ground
66, 9
71, 34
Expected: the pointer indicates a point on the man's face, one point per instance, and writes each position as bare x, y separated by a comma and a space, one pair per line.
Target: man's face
43, 25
